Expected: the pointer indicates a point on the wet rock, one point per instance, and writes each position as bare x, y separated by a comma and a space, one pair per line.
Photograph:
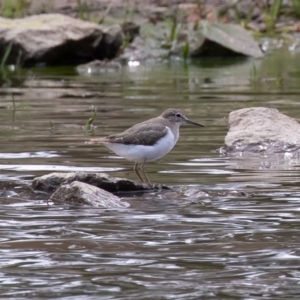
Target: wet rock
79, 193
195, 193
263, 131
52, 181
99, 66
8, 194
57, 39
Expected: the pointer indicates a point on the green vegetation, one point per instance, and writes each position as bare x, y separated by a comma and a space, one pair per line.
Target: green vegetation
296, 6
246, 21
125, 42
109, 6
254, 77
173, 30
185, 51
89, 123
4, 78
83, 10
271, 10
271, 14
5, 56
14, 8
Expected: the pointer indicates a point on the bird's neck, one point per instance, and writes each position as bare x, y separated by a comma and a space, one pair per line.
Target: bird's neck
174, 127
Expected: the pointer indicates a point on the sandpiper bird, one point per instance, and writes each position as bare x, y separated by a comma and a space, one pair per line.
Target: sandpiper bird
147, 141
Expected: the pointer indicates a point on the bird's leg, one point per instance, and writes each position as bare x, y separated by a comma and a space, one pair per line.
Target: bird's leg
136, 171
144, 172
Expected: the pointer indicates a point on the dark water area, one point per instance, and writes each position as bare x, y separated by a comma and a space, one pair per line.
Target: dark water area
242, 243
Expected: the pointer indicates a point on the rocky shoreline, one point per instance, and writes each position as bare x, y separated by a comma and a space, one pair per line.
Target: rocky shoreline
69, 34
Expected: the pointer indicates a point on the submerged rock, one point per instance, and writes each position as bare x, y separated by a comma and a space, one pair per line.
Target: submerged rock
195, 193
54, 39
98, 67
79, 193
261, 131
52, 181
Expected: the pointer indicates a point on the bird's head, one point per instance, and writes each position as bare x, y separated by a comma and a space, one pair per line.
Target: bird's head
177, 117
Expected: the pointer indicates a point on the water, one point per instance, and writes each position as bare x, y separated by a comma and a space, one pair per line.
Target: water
241, 241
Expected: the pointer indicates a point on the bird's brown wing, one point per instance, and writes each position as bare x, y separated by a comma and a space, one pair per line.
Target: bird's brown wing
141, 134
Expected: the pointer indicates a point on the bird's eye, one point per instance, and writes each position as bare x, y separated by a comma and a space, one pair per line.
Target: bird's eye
178, 115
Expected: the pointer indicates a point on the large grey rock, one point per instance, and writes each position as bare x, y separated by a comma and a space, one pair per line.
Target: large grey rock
208, 39
261, 130
79, 193
225, 39
57, 39
52, 181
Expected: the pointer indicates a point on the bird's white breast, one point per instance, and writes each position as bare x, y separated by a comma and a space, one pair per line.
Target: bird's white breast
141, 153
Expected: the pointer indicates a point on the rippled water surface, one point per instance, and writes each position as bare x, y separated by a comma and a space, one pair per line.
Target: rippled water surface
228, 230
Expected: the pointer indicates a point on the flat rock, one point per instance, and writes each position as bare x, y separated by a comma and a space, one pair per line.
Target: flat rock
226, 39
52, 181
53, 39
261, 130
79, 193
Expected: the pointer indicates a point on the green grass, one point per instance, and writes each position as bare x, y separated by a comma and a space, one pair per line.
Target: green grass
14, 8
186, 51
296, 6
271, 14
83, 10
5, 56
90, 121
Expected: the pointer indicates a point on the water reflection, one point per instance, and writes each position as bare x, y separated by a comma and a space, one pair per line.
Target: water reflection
230, 228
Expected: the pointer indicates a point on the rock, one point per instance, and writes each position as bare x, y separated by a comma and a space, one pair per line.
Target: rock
111, 43
53, 39
188, 12
143, 49
261, 130
205, 39
8, 194
225, 40
79, 193
52, 181
98, 67
195, 193
131, 30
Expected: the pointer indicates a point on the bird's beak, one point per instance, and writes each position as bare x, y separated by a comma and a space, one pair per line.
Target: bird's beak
193, 123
